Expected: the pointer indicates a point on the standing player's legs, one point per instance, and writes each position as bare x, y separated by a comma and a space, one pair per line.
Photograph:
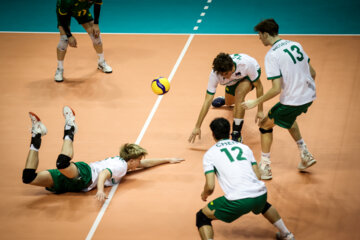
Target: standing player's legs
60, 53
29, 175
203, 222
266, 135
241, 91
98, 46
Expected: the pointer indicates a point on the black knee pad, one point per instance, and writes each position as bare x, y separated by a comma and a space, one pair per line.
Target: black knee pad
202, 219
266, 207
263, 131
28, 175
63, 161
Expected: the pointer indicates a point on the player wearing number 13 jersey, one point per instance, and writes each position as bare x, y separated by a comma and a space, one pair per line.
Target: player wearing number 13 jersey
289, 68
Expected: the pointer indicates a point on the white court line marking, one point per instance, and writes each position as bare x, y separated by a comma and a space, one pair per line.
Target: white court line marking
138, 140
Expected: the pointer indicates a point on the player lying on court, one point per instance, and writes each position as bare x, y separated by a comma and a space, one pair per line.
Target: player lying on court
240, 73
79, 176
80, 10
288, 67
235, 167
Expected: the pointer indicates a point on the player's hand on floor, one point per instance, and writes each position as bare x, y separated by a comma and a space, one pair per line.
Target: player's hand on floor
176, 160
72, 42
249, 104
195, 132
101, 196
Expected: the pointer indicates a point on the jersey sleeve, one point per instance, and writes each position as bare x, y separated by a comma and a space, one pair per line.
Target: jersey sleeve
272, 67
208, 164
117, 168
253, 72
212, 84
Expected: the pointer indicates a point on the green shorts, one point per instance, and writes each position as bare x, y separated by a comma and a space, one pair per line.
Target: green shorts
80, 19
63, 184
228, 211
231, 89
285, 115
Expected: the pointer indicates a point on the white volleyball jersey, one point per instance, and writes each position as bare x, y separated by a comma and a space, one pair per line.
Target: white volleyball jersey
232, 162
288, 60
116, 165
245, 67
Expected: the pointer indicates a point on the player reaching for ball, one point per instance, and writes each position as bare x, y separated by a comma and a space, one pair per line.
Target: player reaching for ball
79, 176
80, 10
288, 67
235, 167
240, 73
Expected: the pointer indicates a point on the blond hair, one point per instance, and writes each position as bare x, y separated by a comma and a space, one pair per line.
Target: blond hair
131, 151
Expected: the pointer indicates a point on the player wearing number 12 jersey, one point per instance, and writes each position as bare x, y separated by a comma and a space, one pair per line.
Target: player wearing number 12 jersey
293, 77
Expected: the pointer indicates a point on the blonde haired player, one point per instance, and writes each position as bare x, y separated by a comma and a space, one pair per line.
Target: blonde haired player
79, 176
288, 67
235, 167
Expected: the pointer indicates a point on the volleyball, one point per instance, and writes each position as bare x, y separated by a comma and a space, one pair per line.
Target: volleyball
160, 85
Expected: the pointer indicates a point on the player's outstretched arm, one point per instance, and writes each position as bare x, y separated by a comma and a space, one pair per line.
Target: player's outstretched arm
146, 163
204, 110
100, 195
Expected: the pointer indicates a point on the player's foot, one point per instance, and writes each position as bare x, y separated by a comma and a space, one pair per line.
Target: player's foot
288, 236
218, 102
236, 136
69, 115
37, 126
103, 66
59, 75
307, 160
265, 169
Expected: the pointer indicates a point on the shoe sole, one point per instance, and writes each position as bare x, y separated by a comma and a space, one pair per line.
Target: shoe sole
310, 164
266, 177
34, 115
100, 68
59, 80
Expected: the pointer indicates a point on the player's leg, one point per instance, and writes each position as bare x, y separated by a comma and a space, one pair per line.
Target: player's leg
98, 46
266, 135
203, 222
307, 159
29, 175
242, 89
272, 215
63, 163
60, 53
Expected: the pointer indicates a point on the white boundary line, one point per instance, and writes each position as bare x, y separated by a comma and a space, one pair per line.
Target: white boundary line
138, 140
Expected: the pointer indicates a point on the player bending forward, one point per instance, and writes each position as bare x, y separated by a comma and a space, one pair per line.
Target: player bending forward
235, 167
79, 176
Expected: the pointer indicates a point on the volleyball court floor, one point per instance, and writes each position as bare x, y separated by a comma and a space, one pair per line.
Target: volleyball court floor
160, 203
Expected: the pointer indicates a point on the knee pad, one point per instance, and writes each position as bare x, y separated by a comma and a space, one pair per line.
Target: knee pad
96, 41
263, 131
63, 43
63, 161
266, 207
202, 219
28, 175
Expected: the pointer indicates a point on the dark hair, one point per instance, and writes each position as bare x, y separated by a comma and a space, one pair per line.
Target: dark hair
269, 26
223, 63
220, 128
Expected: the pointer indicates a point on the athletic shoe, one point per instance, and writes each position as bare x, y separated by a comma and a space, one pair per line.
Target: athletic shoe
69, 115
218, 102
265, 169
104, 67
307, 160
37, 126
288, 236
59, 75
236, 136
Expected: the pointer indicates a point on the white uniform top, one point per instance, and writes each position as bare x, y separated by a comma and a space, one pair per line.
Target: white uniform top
245, 67
288, 60
232, 162
116, 165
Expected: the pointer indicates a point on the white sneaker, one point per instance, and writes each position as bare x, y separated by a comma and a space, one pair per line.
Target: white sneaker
307, 160
37, 125
104, 67
59, 75
69, 115
264, 168
288, 236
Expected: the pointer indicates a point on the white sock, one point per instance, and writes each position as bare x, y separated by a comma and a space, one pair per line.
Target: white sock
60, 64
101, 57
279, 224
33, 148
301, 144
238, 121
267, 155
67, 138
